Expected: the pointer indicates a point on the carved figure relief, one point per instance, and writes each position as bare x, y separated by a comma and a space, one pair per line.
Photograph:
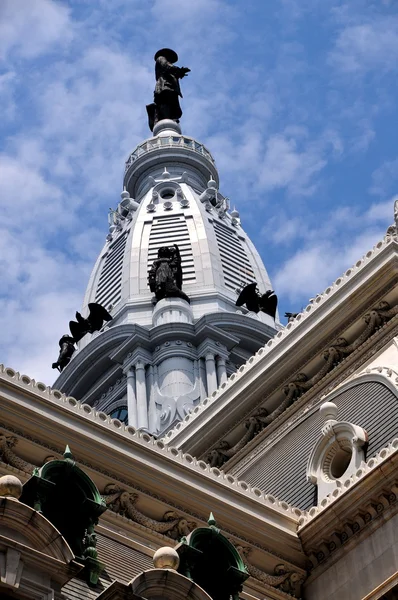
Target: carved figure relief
123, 503
282, 579
7, 455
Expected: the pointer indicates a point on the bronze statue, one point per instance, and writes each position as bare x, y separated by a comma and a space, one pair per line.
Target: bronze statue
255, 301
290, 316
166, 103
98, 314
67, 348
165, 275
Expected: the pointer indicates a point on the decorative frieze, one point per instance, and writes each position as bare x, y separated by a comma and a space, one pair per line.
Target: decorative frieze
124, 502
344, 372
283, 578
332, 356
7, 455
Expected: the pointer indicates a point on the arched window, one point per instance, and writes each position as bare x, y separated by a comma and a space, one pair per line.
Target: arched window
120, 413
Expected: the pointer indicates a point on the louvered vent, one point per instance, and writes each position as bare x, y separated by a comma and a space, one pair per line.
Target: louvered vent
281, 471
109, 289
235, 263
169, 230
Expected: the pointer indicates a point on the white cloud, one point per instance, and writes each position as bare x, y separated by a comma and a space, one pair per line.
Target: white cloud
385, 178
257, 96
311, 269
30, 28
370, 45
285, 165
330, 247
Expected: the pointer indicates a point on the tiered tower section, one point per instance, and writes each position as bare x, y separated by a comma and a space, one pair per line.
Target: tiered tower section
155, 361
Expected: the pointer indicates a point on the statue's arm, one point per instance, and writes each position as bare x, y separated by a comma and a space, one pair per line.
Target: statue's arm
179, 72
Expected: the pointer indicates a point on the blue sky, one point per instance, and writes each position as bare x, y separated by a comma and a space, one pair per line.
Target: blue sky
296, 99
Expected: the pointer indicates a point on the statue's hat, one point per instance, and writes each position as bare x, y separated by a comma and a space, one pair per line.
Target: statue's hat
66, 338
169, 55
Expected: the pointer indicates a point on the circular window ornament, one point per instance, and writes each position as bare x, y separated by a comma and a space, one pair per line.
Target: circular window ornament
336, 462
167, 194
338, 452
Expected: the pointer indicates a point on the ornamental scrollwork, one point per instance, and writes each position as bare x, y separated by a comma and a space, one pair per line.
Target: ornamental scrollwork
123, 503
332, 356
8, 456
283, 579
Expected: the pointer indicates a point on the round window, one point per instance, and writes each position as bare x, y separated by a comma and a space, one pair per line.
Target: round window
120, 413
167, 194
340, 462
336, 461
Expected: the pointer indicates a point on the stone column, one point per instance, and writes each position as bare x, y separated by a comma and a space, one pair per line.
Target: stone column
211, 375
221, 370
142, 404
152, 403
131, 398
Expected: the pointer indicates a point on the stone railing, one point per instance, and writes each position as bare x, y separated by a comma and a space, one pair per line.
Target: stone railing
171, 141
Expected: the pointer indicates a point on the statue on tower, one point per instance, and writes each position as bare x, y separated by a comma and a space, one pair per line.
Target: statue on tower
165, 275
166, 104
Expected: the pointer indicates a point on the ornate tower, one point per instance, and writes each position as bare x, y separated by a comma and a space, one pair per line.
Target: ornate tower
158, 358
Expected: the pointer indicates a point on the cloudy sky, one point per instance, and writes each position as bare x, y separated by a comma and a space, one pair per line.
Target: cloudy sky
296, 99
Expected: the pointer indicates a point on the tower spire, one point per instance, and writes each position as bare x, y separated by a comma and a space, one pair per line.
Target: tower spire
168, 275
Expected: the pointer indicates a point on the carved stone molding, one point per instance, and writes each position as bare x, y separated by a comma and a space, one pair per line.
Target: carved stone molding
130, 499
7, 455
370, 492
123, 502
344, 372
292, 391
288, 581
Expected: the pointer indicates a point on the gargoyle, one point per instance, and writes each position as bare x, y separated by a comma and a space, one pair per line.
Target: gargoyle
98, 314
67, 348
255, 301
290, 316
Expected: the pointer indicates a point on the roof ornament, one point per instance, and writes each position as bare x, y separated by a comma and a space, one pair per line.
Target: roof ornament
255, 301
95, 320
79, 328
392, 230
167, 92
67, 348
211, 521
338, 452
211, 561
71, 501
127, 206
165, 174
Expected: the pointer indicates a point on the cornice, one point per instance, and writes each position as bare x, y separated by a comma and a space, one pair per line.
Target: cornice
38, 411
357, 289
353, 508
145, 533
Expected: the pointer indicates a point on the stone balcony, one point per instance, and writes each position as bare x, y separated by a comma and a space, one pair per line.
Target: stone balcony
170, 141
